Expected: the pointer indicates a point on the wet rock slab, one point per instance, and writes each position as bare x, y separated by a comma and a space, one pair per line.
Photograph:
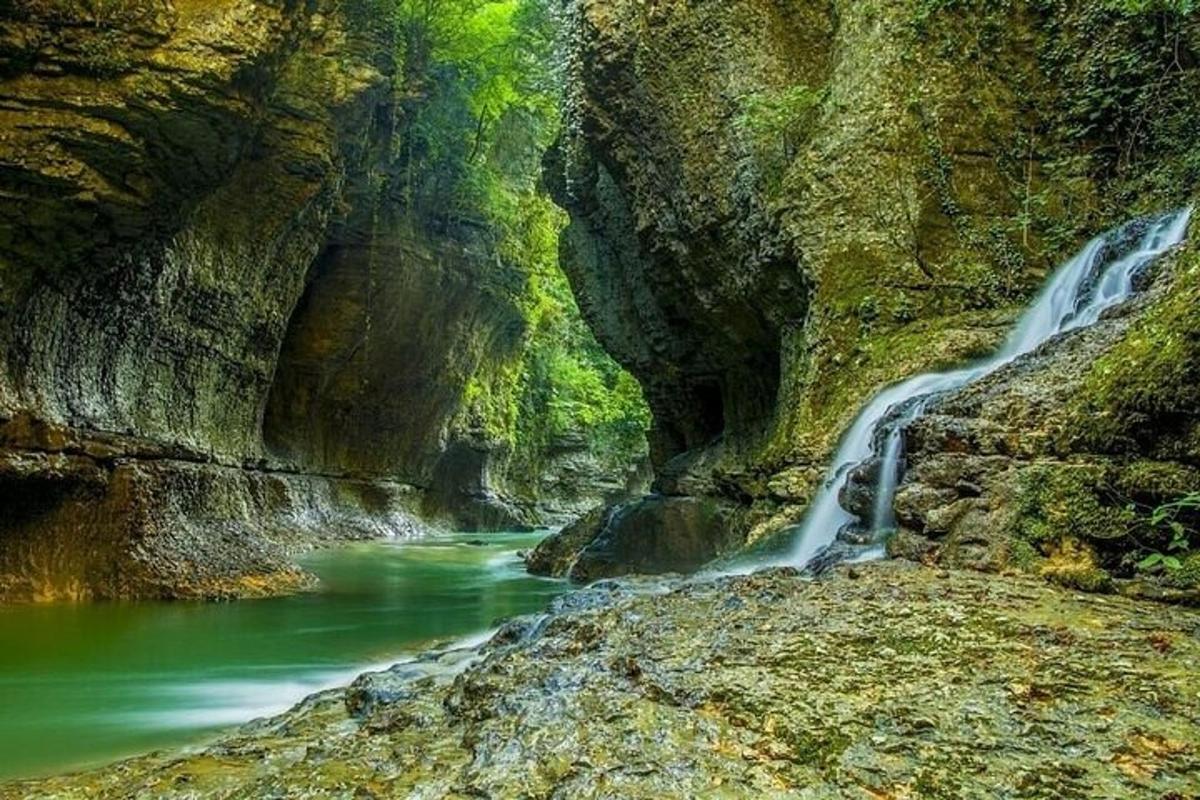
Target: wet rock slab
881, 681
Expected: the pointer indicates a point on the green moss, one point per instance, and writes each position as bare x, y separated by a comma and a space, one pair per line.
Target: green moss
1023, 556
1151, 483
1085, 579
821, 750
1143, 391
1074, 564
1082, 524
106, 53
777, 122
1065, 502
1188, 576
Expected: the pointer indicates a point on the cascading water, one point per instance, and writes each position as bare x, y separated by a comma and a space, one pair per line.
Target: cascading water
1101, 276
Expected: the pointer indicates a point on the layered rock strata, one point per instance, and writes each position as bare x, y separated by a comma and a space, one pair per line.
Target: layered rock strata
223, 329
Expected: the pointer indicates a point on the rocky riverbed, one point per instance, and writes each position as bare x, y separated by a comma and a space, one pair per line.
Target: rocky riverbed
881, 681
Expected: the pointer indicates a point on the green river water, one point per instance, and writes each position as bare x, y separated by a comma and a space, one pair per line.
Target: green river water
82, 685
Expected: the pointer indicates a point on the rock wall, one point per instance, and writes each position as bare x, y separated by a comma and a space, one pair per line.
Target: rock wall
368, 348
393, 325
163, 199
778, 208
223, 333
170, 171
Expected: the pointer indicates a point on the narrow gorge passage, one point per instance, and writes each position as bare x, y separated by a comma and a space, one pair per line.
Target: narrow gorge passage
599, 399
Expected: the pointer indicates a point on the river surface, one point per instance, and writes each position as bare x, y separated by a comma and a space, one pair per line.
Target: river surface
83, 685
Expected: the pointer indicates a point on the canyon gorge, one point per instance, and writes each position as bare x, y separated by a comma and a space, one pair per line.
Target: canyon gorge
850, 351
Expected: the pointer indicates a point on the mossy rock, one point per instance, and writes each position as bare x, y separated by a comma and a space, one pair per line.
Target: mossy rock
1074, 565
1144, 395
1187, 576
1063, 501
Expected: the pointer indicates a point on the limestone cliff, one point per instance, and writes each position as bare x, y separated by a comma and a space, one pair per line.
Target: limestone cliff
225, 331
778, 208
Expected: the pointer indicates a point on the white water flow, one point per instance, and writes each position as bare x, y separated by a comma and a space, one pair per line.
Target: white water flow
1101, 276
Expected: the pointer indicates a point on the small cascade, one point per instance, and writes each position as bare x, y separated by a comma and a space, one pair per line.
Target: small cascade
1104, 274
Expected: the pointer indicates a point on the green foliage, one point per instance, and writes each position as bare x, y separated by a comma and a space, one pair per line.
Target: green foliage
1148, 6
780, 117
563, 384
481, 106
1156, 558
1168, 524
1062, 502
481, 110
1127, 75
571, 387
1113, 94
981, 12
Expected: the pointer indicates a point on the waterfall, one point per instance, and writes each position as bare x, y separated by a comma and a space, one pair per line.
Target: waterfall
1101, 276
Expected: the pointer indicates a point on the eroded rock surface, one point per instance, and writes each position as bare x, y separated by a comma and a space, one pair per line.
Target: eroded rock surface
779, 208
1053, 463
170, 172
224, 324
889, 680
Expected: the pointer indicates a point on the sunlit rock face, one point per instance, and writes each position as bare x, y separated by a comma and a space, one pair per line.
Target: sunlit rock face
779, 208
163, 199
